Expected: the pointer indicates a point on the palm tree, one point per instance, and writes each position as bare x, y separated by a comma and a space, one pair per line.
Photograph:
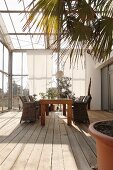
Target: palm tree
80, 24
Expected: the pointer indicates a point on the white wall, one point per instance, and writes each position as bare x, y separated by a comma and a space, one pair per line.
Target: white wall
95, 74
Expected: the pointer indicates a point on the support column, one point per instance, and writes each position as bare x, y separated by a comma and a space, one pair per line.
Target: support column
10, 81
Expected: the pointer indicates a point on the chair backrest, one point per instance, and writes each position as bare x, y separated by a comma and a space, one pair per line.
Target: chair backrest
31, 98
23, 99
86, 99
81, 98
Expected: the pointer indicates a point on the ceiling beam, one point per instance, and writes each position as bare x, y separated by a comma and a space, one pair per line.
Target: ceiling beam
15, 11
29, 33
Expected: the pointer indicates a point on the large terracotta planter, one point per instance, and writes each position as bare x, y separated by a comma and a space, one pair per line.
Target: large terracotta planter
104, 148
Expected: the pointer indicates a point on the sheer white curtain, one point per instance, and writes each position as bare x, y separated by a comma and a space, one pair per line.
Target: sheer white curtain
39, 70
77, 73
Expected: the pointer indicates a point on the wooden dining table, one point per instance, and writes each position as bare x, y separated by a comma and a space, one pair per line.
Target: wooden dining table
45, 102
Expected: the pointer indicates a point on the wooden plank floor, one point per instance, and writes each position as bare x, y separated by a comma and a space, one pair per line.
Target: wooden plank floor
56, 146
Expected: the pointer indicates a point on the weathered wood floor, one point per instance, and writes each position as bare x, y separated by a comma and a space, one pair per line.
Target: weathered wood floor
56, 146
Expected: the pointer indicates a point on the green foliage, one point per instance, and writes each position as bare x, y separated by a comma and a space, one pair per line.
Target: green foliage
64, 87
43, 95
63, 90
52, 93
83, 24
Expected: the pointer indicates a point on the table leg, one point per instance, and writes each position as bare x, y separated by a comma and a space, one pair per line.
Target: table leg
69, 114
64, 109
42, 114
47, 109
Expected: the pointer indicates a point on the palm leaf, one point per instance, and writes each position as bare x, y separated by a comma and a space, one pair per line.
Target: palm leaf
102, 40
83, 24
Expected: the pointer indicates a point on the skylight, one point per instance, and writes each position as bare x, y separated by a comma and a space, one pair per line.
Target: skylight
13, 14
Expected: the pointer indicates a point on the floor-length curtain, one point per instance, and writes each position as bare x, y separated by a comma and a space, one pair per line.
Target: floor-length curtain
76, 71
39, 70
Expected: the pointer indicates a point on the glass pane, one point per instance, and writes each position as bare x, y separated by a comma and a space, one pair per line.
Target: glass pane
1, 92
5, 91
104, 89
14, 4
38, 41
19, 87
27, 2
18, 21
16, 85
6, 59
17, 63
14, 41
111, 67
25, 86
1, 56
16, 91
111, 92
25, 67
2, 5
25, 41
0, 81
8, 22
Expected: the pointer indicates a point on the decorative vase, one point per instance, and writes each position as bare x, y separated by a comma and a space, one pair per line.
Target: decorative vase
104, 146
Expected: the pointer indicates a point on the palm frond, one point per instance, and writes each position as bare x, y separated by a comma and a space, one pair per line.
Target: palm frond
82, 24
103, 38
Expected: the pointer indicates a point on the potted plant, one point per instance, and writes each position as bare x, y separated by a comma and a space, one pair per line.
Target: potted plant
102, 131
64, 85
43, 95
52, 93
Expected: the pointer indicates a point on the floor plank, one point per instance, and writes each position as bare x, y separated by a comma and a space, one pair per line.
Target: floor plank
55, 146
57, 154
45, 159
67, 148
34, 159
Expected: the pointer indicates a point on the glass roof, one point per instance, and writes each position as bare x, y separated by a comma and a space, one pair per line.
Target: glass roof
14, 17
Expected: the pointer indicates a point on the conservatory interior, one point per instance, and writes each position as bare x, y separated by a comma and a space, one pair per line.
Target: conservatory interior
29, 68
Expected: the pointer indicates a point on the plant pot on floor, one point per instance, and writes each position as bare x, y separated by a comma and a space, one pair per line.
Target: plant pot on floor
52, 108
104, 143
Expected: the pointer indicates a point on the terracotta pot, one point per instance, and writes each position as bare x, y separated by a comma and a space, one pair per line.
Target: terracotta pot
104, 148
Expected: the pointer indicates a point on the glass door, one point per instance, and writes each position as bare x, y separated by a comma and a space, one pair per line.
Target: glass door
104, 89
111, 88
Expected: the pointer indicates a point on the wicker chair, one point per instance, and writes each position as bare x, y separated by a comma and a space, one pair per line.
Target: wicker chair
80, 114
36, 103
31, 98
29, 111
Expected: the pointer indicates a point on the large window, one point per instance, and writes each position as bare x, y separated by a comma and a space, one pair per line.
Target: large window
4, 59
104, 89
111, 88
107, 88
1, 56
5, 90
1, 92
19, 77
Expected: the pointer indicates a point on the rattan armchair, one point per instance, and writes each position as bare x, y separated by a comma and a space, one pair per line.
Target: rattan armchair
36, 103
80, 114
29, 111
